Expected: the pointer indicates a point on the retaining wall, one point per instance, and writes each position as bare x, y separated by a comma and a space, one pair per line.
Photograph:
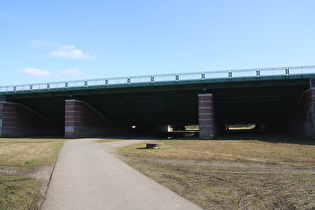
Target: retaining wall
17, 120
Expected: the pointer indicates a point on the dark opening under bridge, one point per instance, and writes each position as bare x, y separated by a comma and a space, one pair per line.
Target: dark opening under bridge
280, 98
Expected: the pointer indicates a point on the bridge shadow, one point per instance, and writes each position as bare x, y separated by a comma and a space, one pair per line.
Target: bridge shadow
270, 137
266, 137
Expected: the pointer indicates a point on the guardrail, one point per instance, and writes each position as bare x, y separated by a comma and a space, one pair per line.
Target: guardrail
229, 74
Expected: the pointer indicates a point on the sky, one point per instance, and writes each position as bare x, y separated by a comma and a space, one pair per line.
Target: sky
64, 40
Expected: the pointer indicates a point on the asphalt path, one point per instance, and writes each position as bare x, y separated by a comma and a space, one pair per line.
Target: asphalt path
88, 176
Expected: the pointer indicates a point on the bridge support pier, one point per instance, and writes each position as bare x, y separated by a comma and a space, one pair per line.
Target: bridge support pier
17, 120
81, 120
302, 122
206, 116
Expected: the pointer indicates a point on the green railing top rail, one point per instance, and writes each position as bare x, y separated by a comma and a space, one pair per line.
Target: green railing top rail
155, 79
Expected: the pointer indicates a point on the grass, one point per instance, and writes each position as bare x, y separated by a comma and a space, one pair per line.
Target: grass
227, 150
19, 192
244, 172
29, 152
23, 156
233, 187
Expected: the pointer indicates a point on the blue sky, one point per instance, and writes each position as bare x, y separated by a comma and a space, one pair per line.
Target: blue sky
61, 40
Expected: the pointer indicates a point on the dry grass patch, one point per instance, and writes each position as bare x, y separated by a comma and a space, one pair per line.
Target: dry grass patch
273, 172
19, 192
227, 150
18, 159
233, 187
21, 152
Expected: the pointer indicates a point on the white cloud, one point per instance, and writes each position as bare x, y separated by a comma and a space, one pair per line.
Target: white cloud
37, 42
73, 72
35, 72
70, 51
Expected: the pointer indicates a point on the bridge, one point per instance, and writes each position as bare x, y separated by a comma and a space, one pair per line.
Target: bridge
281, 99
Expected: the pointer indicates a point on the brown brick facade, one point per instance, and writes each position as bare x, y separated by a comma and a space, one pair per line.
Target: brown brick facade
206, 116
81, 120
17, 120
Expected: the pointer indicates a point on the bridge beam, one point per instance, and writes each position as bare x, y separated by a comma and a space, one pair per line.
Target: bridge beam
206, 116
82, 120
16, 120
302, 122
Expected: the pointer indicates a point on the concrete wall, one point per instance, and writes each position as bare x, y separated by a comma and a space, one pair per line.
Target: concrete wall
81, 120
206, 116
17, 120
302, 122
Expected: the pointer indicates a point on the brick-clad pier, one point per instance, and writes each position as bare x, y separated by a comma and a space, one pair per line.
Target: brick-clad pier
81, 120
206, 116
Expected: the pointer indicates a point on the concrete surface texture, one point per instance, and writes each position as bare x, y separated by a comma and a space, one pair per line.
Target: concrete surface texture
87, 176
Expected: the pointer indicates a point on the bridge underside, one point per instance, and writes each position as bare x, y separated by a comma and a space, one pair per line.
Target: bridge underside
271, 101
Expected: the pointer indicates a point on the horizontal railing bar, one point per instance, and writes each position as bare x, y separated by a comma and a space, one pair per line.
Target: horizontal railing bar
254, 72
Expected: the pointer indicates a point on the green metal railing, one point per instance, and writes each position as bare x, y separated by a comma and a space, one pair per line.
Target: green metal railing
200, 76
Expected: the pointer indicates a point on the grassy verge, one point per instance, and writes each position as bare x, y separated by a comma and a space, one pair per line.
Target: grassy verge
271, 172
18, 159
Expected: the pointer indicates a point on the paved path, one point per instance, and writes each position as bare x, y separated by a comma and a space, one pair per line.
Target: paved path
87, 176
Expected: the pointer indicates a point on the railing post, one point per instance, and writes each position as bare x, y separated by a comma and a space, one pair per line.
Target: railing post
128, 80
177, 77
258, 73
85, 83
230, 74
106, 82
287, 71
203, 76
66, 85
152, 79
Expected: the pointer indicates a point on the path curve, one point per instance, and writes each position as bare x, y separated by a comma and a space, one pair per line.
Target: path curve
87, 176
